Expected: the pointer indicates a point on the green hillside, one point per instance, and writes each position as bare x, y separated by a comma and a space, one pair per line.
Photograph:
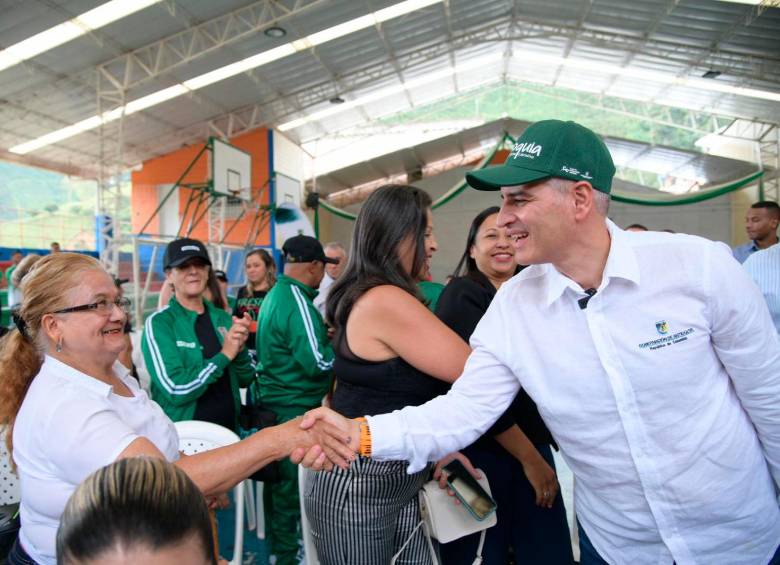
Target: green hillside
41, 206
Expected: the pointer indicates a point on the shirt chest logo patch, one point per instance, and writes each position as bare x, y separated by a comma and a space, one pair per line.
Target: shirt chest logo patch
668, 339
187, 344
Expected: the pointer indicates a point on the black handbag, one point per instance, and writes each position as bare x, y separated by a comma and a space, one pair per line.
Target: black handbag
253, 418
9, 528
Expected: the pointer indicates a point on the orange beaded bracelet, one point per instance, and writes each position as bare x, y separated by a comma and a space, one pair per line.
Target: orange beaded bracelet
365, 438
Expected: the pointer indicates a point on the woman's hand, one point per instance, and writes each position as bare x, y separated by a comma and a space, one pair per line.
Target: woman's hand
218, 502
542, 478
537, 470
338, 439
236, 336
440, 474
321, 440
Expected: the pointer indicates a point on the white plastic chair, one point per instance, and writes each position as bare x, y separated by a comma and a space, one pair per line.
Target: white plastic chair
260, 519
255, 510
309, 550
10, 489
197, 437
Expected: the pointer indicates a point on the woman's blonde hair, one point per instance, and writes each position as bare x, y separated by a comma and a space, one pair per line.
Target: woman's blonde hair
139, 501
270, 269
45, 288
23, 268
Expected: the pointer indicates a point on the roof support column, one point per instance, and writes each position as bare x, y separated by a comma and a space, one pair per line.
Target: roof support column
110, 95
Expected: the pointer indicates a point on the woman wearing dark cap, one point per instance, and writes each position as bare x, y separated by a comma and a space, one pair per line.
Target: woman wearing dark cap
194, 352
516, 459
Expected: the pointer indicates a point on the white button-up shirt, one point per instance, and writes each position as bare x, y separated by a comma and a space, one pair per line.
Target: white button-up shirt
70, 425
663, 394
764, 268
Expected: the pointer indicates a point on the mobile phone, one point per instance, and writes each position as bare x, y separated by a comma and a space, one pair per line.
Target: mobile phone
471, 494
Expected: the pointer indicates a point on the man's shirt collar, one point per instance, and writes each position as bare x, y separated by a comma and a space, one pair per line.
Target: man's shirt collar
621, 263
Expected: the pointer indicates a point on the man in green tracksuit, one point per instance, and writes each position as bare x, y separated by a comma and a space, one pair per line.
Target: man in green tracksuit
194, 351
296, 359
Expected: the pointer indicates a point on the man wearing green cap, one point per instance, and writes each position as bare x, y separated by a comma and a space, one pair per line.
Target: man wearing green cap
658, 381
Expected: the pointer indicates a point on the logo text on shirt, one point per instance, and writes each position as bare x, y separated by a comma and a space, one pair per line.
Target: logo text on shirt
187, 344
668, 340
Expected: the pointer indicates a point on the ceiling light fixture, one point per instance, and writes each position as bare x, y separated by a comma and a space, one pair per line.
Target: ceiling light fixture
751, 2
70, 30
711, 74
227, 71
275, 32
336, 100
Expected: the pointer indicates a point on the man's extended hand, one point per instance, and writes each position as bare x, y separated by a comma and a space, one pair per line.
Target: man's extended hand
337, 440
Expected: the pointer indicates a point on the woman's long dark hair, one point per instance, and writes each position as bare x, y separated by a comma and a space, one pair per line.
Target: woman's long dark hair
391, 214
467, 266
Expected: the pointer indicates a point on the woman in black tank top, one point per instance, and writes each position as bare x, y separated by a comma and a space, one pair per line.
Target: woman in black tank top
391, 352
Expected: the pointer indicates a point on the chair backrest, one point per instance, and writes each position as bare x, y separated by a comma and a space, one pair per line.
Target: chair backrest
10, 489
196, 436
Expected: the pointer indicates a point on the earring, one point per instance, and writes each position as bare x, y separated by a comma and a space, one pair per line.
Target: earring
58, 348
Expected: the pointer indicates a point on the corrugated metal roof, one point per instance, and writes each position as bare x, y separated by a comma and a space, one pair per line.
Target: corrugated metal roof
684, 38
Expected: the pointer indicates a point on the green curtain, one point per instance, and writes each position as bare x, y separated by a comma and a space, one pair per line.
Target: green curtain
665, 199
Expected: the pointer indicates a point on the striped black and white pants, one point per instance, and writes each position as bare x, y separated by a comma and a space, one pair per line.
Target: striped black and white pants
362, 516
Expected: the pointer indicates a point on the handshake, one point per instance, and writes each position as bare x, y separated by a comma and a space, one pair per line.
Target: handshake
322, 439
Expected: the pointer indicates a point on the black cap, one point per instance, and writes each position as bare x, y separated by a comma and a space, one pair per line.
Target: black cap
305, 249
181, 250
221, 275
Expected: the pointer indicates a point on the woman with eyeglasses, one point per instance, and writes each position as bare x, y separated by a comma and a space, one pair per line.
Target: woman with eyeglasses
68, 407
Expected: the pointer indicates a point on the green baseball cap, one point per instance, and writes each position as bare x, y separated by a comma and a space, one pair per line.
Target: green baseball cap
551, 148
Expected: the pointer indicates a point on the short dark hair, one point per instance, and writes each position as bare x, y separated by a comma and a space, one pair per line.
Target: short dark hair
771, 206
391, 214
139, 501
637, 227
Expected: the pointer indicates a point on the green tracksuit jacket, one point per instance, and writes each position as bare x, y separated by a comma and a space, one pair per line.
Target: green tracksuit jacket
292, 347
179, 373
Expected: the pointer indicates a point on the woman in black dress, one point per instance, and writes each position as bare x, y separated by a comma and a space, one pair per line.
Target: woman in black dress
516, 459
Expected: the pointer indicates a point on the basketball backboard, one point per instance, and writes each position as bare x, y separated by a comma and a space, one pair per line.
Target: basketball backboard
231, 170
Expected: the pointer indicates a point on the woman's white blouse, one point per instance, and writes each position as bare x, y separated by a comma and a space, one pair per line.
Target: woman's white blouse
70, 425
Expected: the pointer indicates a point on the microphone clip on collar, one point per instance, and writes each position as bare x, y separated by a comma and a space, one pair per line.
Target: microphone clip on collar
583, 302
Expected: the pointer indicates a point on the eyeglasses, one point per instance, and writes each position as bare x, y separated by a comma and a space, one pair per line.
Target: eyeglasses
103, 307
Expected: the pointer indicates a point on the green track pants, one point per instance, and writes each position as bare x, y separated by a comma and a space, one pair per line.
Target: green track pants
282, 506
